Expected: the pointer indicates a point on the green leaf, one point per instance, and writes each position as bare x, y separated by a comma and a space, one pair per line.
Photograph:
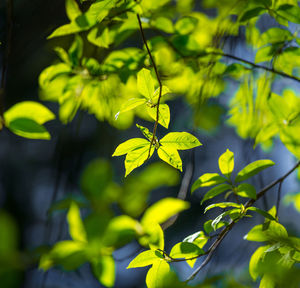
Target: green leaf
26, 118
180, 140
72, 9
99, 37
209, 228
157, 274
208, 179
131, 104
171, 156
289, 12
76, 50
226, 163
216, 191
137, 157
145, 258
255, 259
104, 270
76, 227
164, 24
164, 209
246, 190
249, 14
263, 213
252, 169
222, 205
131, 145
145, 83
198, 238
185, 250
153, 237
275, 35
145, 132
186, 25
163, 114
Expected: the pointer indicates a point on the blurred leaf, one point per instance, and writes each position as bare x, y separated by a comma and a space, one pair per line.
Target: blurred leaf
249, 14
275, 35
222, 205
76, 227
186, 25
145, 83
157, 274
226, 163
254, 262
263, 213
72, 9
246, 190
104, 270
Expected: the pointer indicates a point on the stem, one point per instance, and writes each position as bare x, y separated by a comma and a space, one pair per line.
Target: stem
278, 198
225, 231
158, 79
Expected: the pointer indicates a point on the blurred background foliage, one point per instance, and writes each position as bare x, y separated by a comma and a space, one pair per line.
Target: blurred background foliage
209, 55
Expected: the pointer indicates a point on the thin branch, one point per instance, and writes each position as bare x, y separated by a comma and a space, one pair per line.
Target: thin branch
5, 56
278, 198
158, 79
225, 231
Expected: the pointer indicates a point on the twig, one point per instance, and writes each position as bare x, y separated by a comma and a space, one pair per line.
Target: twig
159, 82
278, 198
225, 231
5, 57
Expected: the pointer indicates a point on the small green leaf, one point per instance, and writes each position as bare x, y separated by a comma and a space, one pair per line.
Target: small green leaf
186, 25
216, 191
145, 83
104, 270
180, 140
162, 210
185, 250
145, 132
226, 163
163, 114
249, 14
255, 259
252, 169
132, 103
222, 205
246, 190
72, 9
171, 156
208, 226
275, 35
153, 237
145, 258
157, 274
76, 227
289, 12
263, 213
164, 24
137, 157
265, 54
208, 179
198, 238
131, 145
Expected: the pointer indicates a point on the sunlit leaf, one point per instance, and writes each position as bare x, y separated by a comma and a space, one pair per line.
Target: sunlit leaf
185, 250
171, 156
256, 257
145, 258
145, 132
216, 191
226, 163
104, 270
208, 179
180, 140
145, 83
222, 205
76, 227
72, 9
252, 169
246, 190
162, 210
132, 103
262, 212
163, 115
157, 274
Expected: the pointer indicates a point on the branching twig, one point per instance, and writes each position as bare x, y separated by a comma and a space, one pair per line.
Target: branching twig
158, 79
225, 231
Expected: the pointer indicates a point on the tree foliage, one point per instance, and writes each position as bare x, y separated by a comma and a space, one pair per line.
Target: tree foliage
182, 55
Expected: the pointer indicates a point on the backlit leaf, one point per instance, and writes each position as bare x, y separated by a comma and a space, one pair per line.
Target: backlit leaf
252, 169
145, 258
216, 191
246, 190
171, 156
222, 205
145, 83
76, 227
104, 270
226, 163
208, 179
256, 257
72, 9
180, 140
164, 114
131, 145
157, 274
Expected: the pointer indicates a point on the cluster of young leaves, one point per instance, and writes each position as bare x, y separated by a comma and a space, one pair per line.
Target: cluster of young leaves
235, 188
98, 249
275, 261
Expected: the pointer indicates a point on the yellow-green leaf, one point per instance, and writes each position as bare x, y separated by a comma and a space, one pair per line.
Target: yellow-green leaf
163, 115
104, 270
246, 190
145, 83
76, 227
157, 274
171, 156
256, 257
145, 258
130, 145
226, 163
180, 140
72, 9
208, 179
132, 103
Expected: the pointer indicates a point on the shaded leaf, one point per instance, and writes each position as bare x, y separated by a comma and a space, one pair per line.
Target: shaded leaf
222, 205
246, 190
208, 179
216, 191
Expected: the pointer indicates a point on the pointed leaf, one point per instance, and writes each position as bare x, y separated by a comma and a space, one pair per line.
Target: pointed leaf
216, 191
263, 213
208, 179
226, 163
163, 115
76, 227
157, 274
145, 258
222, 205
72, 9
104, 270
171, 156
130, 145
145, 83
137, 157
162, 210
145, 132
180, 140
255, 259
185, 250
252, 169
132, 103
246, 190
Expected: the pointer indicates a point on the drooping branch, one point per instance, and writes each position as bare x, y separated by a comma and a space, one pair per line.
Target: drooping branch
226, 230
158, 79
